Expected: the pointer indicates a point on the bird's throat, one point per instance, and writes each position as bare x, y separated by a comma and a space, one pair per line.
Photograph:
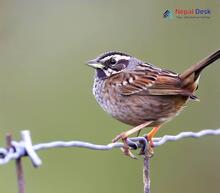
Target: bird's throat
100, 74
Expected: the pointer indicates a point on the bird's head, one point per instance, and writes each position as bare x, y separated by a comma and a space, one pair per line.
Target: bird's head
111, 63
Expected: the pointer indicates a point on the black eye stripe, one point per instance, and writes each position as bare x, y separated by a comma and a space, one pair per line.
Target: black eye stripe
115, 65
123, 61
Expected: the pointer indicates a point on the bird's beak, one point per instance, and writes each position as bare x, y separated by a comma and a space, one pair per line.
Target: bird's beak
95, 64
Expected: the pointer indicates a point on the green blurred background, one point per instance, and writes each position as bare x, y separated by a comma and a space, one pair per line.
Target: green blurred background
46, 88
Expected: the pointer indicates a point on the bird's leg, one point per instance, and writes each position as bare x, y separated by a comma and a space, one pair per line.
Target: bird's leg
151, 134
124, 136
149, 138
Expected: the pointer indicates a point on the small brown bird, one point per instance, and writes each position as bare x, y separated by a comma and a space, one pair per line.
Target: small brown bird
140, 94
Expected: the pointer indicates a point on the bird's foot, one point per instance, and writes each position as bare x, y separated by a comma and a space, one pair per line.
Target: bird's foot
127, 145
150, 147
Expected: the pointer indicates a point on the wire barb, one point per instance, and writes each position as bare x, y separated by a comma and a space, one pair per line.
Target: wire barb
25, 148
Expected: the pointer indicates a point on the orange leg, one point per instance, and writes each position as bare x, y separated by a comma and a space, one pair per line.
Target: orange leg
151, 134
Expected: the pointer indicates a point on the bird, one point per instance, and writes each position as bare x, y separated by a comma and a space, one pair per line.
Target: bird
141, 94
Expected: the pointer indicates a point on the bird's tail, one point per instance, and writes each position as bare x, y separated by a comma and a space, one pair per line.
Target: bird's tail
191, 75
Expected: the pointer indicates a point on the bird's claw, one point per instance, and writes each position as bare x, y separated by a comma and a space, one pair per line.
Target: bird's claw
150, 152
128, 144
128, 153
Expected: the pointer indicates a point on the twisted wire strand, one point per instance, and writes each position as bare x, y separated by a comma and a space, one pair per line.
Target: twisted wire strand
24, 147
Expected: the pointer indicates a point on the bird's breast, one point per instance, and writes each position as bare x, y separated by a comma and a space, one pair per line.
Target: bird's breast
136, 109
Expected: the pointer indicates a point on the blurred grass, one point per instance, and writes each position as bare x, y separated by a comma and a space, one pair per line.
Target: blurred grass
46, 88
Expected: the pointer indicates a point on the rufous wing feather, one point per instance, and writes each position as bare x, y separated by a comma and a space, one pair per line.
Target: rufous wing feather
161, 83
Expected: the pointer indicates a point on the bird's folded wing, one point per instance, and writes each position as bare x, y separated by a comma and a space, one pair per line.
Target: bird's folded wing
163, 83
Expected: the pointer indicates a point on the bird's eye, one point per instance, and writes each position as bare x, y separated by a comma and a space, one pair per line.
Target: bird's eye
112, 61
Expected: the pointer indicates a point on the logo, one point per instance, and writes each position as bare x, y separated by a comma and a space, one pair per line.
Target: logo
188, 13
168, 14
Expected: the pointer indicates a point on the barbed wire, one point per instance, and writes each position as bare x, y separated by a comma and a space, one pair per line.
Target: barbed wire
24, 147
